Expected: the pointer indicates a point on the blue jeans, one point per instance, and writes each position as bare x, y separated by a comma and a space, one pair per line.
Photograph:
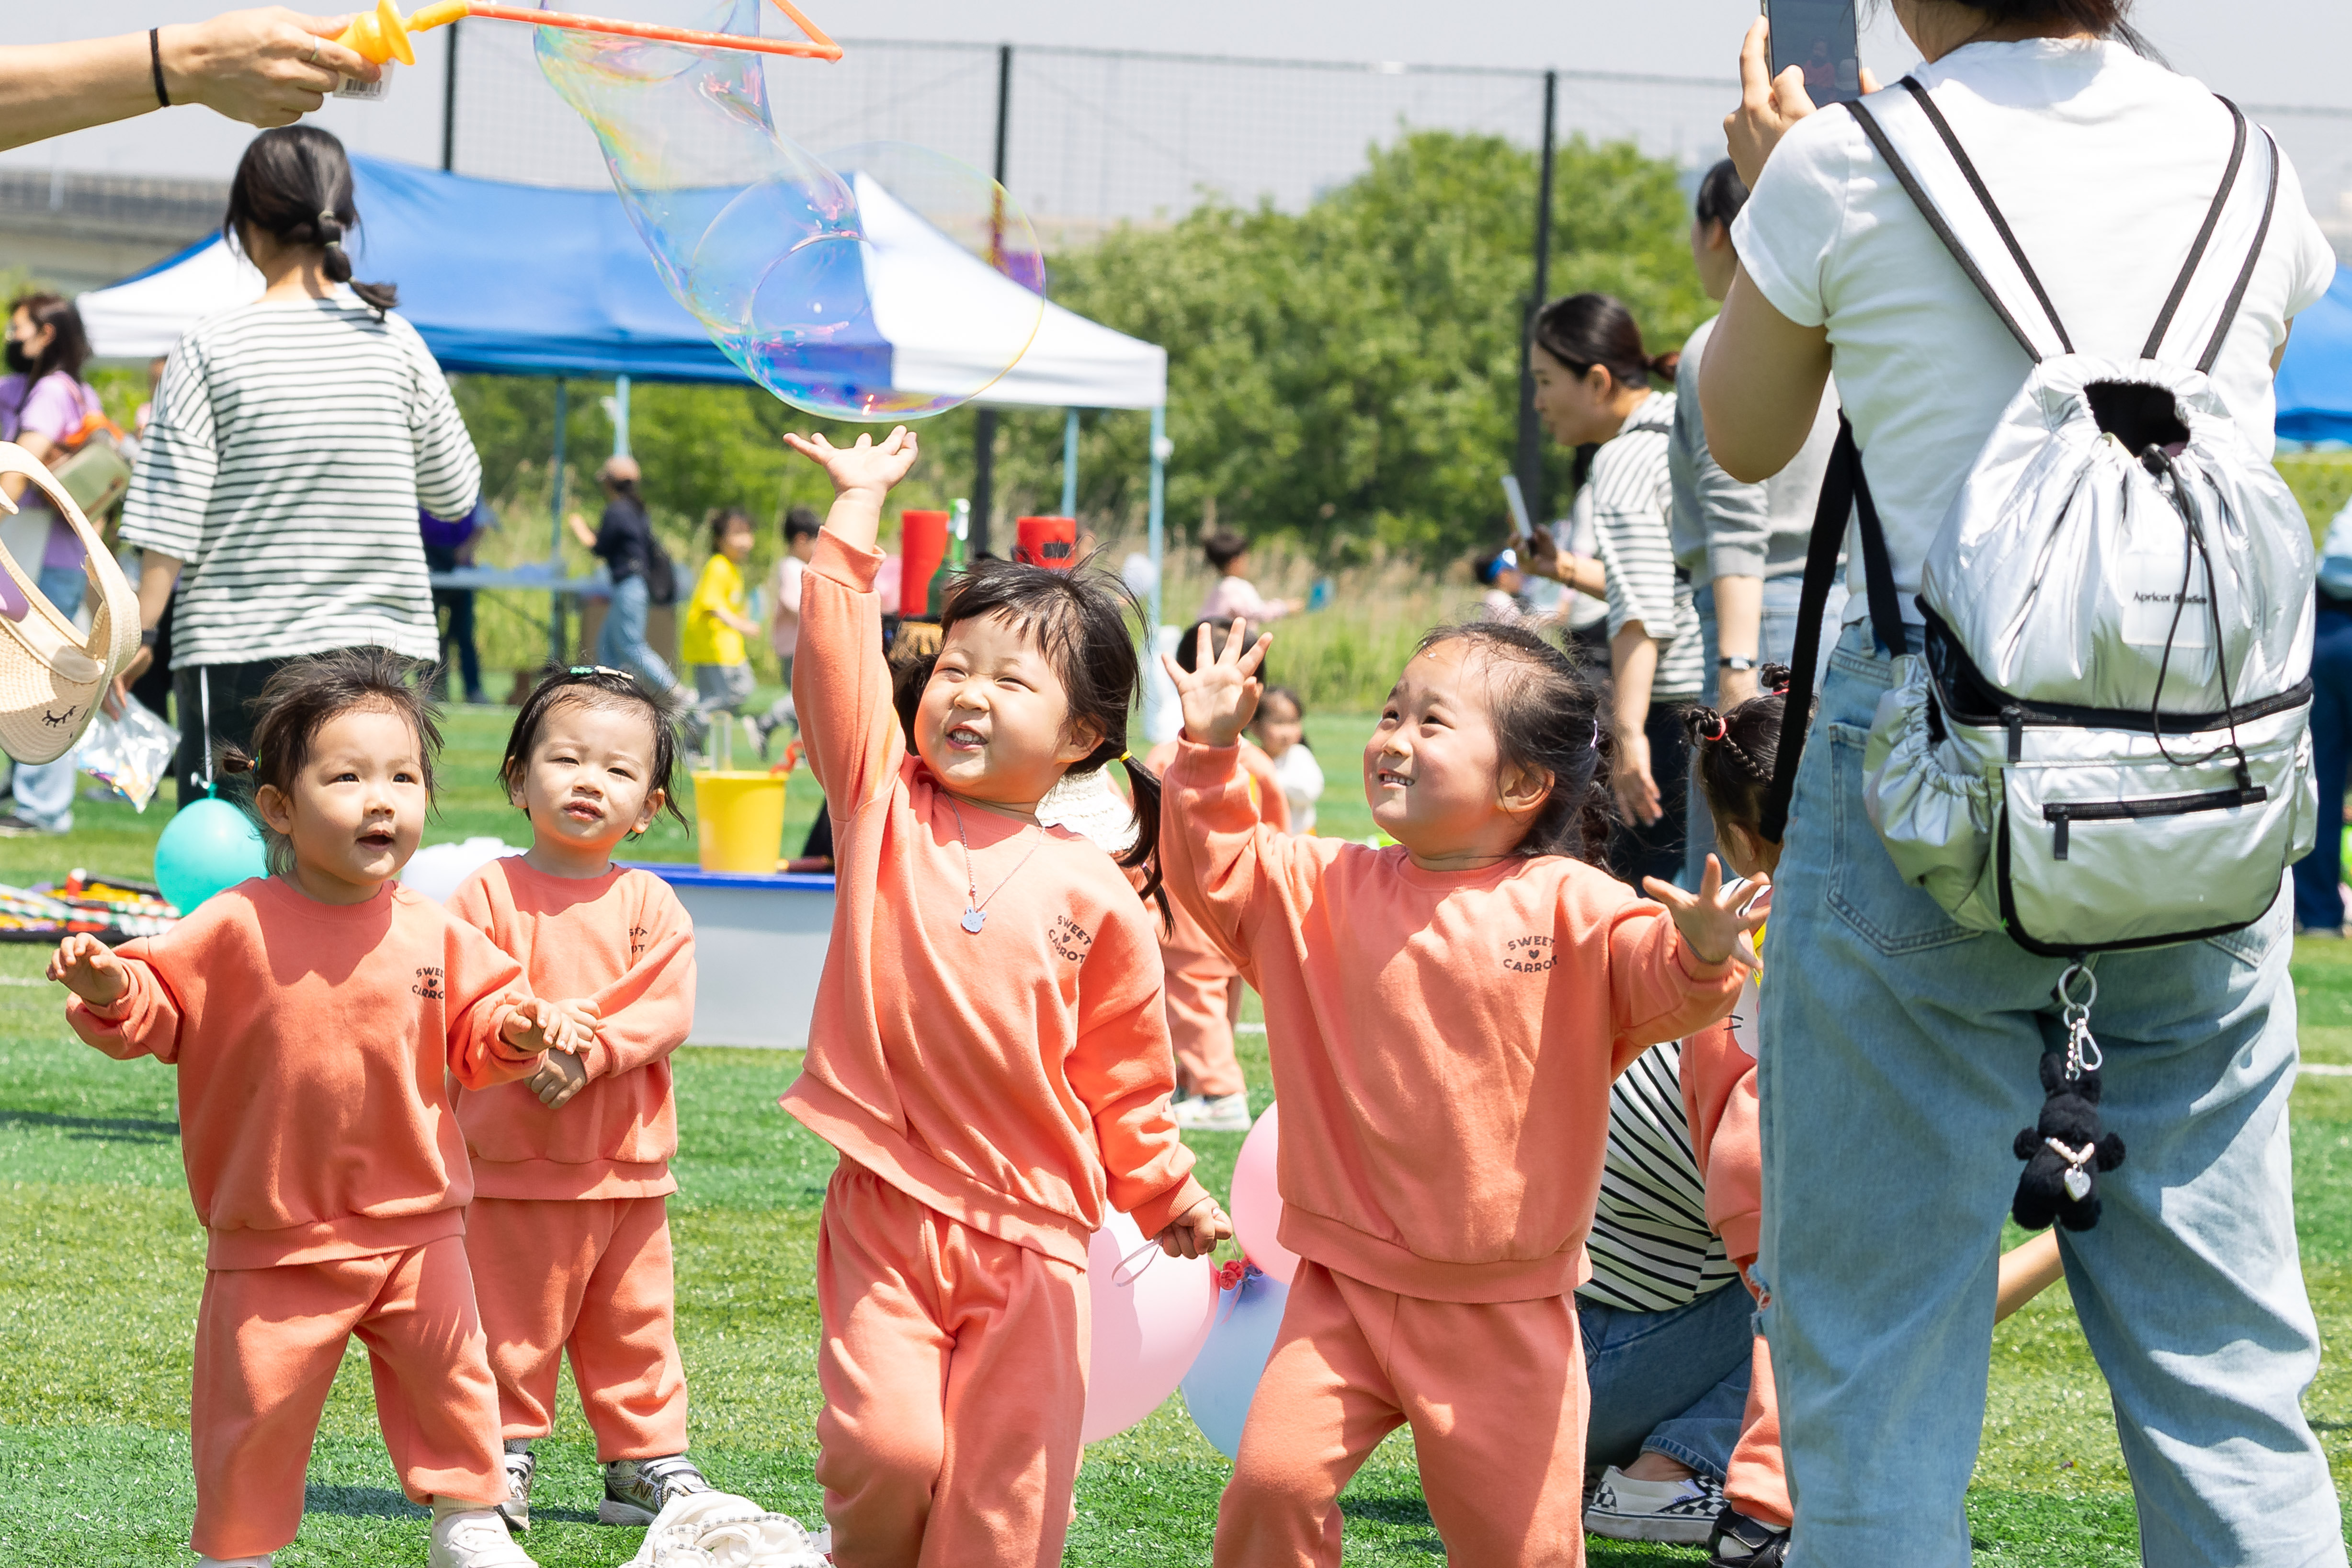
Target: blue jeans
1671, 1382
1775, 643
2319, 876
621, 641
1903, 1062
45, 791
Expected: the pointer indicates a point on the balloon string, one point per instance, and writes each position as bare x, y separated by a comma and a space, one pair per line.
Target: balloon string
205, 691
1149, 1251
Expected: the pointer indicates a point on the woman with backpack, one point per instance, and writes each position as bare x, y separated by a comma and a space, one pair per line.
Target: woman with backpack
1908, 1040
47, 408
294, 441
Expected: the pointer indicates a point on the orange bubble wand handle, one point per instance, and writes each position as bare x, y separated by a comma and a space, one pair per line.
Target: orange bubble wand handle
382, 35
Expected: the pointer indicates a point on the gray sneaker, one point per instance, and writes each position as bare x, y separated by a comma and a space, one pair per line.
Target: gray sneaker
635, 1489
521, 1465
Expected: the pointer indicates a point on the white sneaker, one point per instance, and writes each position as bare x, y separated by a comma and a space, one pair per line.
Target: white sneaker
475, 1539
1225, 1113
1680, 1513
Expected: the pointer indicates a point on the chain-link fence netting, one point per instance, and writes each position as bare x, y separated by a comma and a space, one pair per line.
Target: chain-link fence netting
1098, 136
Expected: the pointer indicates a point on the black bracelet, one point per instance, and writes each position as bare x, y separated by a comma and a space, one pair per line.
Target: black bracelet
155, 63
149, 635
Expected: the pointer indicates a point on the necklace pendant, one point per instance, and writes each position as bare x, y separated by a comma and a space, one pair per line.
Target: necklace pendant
973, 919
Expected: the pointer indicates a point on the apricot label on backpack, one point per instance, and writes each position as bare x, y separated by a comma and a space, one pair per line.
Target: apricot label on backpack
1527, 954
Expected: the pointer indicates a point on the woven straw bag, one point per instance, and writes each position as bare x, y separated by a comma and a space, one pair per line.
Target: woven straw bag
51, 679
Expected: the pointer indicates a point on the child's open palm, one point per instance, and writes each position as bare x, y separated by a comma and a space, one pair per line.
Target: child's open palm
865, 464
87, 967
1220, 695
1714, 920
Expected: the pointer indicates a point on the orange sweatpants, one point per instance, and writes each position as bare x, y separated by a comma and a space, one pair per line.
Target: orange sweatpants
1496, 1396
1757, 1483
1205, 998
590, 1277
267, 1343
954, 1374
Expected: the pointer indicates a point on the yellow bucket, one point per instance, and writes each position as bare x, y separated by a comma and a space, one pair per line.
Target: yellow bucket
738, 821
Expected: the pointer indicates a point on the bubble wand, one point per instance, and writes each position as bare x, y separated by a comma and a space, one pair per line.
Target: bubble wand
382, 35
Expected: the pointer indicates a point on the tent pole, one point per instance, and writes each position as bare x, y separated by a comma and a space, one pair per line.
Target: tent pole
1161, 448
555, 638
1070, 466
620, 416
1531, 453
449, 106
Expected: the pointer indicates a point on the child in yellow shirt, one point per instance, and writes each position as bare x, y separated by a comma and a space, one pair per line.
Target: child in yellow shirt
718, 617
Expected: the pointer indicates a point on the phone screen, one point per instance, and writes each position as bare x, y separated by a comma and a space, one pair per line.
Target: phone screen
1821, 38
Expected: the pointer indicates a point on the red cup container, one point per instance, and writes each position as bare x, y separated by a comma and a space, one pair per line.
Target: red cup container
1050, 541
923, 545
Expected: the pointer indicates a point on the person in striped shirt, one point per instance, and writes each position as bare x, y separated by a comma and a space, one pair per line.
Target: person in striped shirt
293, 443
1592, 391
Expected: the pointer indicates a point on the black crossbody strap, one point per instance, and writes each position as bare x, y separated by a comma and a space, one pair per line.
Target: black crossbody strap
1926, 205
1846, 493
2253, 259
2204, 236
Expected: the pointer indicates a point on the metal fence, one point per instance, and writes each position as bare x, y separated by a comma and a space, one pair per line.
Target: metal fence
1095, 137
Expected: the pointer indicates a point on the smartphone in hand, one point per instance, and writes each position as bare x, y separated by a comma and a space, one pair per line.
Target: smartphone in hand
1822, 38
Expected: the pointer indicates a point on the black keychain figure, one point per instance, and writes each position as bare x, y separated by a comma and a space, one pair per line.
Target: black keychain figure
2065, 1150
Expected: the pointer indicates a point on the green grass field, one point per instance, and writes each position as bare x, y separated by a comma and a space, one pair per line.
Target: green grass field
102, 1262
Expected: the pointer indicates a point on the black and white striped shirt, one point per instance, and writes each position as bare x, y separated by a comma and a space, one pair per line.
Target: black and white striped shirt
1630, 497
291, 445
1651, 1248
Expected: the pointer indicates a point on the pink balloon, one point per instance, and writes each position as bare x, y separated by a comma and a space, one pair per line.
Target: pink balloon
1257, 1204
1151, 1315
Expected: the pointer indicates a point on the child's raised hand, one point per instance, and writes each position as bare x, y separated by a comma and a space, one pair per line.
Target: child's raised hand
87, 967
559, 1076
865, 464
1718, 921
1220, 695
1196, 1232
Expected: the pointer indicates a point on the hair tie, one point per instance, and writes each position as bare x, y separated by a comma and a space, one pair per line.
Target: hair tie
1596, 735
1718, 732
1127, 756
1778, 685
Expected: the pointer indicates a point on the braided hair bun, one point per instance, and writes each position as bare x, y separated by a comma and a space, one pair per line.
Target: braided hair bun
1733, 753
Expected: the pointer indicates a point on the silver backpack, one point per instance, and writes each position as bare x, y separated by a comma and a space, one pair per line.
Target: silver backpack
2104, 744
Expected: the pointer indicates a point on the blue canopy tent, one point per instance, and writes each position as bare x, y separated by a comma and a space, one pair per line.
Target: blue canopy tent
527, 280
2315, 380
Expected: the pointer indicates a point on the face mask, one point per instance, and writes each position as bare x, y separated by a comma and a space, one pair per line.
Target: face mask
18, 360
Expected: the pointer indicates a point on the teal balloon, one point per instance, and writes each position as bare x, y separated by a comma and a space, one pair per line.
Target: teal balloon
209, 846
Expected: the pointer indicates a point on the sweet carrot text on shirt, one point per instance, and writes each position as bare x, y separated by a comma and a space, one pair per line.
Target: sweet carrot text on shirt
428, 981
1527, 954
1070, 939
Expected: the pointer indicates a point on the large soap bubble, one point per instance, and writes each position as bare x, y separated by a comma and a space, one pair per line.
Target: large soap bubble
880, 282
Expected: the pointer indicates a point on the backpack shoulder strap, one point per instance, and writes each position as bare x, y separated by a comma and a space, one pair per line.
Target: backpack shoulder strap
2204, 236
1879, 139
2253, 258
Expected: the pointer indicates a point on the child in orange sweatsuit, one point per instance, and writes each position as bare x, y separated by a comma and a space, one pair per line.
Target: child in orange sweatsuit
1445, 1017
312, 1014
1732, 756
988, 1050
1204, 989
569, 1235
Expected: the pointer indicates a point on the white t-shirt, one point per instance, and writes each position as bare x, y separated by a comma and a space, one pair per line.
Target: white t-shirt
2105, 165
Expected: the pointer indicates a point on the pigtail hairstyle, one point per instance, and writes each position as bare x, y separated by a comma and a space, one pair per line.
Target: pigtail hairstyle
596, 686
1733, 753
1547, 717
1085, 622
301, 699
295, 184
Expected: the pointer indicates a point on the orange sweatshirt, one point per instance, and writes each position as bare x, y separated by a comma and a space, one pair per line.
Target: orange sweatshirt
624, 942
1015, 1080
1182, 940
1726, 1131
312, 1041
1442, 1043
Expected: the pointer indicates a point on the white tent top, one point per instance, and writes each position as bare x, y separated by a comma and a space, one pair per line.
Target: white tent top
440, 237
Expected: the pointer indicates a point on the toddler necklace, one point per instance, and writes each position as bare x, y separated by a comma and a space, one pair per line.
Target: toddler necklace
975, 913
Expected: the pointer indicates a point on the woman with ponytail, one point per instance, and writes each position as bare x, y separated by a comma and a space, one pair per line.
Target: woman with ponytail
293, 442
1592, 392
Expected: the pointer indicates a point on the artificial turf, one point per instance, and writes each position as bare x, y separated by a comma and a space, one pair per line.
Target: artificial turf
102, 1262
